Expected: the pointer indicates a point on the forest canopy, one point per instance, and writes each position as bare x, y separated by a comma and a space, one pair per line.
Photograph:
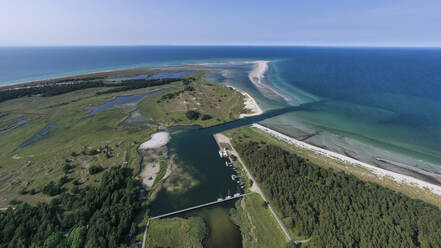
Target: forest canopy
101, 216
335, 209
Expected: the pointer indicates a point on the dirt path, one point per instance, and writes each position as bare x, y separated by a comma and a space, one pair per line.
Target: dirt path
220, 138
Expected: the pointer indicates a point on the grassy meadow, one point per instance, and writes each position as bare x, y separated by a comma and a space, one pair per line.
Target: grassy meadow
176, 232
76, 142
257, 225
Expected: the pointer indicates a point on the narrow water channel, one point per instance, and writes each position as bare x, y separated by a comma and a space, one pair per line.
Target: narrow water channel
203, 177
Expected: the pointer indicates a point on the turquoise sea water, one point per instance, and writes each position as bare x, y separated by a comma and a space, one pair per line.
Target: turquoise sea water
368, 102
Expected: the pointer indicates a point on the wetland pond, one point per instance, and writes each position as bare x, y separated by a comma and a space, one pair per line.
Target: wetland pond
42, 135
158, 75
125, 101
17, 124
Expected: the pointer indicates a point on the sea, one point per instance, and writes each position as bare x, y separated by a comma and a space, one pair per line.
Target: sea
372, 104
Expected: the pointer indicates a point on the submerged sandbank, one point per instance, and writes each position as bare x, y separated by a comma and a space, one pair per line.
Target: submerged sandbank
257, 75
399, 178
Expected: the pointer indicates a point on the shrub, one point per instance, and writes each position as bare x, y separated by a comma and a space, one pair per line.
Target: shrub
206, 117
67, 168
52, 189
192, 115
63, 180
75, 190
234, 158
94, 169
76, 182
15, 202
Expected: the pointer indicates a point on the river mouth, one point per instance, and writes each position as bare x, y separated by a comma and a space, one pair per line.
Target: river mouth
202, 177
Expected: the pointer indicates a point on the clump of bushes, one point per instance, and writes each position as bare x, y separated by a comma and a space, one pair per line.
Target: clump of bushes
94, 169
15, 202
63, 180
67, 168
52, 189
206, 117
234, 158
192, 115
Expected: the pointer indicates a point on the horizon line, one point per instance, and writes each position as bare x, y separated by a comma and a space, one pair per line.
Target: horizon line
229, 45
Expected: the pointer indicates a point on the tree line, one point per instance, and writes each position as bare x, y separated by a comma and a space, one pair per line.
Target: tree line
62, 87
336, 209
100, 216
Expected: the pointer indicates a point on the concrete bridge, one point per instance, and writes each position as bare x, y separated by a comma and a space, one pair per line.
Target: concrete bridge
198, 206
187, 209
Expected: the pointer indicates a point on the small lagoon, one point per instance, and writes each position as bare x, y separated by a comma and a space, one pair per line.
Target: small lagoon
42, 135
17, 124
158, 75
126, 101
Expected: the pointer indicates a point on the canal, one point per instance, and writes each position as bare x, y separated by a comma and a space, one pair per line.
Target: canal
203, 177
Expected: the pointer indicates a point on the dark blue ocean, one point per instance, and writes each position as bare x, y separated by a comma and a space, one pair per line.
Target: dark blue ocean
369, 103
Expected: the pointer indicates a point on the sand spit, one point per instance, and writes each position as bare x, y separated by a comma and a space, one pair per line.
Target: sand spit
402, 179
257, 75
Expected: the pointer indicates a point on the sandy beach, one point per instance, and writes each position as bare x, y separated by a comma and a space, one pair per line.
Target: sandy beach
153, 151
398, 178
250, 103
157, 140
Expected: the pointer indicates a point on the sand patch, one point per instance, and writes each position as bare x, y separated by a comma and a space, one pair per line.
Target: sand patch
153, 151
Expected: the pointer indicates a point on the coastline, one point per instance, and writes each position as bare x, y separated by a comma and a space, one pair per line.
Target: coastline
250, 103
256, 76
143, 69
375, 169
379, 172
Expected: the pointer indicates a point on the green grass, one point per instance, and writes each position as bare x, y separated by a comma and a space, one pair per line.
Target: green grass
34, 166
257, 225
206, 98
176, 233
162, 171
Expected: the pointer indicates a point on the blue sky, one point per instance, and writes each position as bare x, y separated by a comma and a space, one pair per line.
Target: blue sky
226, 22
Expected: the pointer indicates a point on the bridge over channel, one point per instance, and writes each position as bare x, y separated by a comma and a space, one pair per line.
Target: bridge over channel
186, 210
198, 206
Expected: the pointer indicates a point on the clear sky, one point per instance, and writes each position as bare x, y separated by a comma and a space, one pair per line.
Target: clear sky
223, 22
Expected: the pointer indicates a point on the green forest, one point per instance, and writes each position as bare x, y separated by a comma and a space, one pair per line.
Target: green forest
70, 85
99, 216
335, 209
